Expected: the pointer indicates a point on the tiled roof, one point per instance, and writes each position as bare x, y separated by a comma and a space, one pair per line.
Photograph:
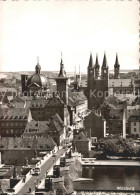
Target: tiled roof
137, 101
57, 123
40, 127
76, 98
112, 100
44, 102
20, 102
39, 102
38, 143
81, 137
14, 112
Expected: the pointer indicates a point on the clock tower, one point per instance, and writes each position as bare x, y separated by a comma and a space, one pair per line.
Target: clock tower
62, 83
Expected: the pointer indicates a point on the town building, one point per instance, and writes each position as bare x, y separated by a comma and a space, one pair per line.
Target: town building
17, 150
134, 125
82, 144
77, 105
114, 112
13, 121
64, 101
54, 128
43, 109
95, 124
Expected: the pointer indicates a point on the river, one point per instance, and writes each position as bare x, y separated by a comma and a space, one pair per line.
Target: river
111, 178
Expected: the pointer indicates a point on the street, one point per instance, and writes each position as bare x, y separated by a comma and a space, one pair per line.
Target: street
34, 180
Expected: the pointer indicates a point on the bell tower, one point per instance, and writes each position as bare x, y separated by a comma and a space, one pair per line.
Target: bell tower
62, 83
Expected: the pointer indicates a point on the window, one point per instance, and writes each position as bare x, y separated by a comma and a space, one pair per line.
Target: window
134, 124
135, 129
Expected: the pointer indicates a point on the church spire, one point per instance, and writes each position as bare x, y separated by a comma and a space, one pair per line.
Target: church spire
116, 68
104, 65
62, 72
97, 63
117, 61
104, 70
97, 67
90, 65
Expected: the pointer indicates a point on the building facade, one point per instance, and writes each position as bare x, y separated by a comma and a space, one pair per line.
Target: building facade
95, 125
134, 125
13, 121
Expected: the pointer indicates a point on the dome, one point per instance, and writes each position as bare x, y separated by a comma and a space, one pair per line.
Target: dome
38, 80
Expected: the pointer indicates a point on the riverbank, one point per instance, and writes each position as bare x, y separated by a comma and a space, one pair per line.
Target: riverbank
112, 163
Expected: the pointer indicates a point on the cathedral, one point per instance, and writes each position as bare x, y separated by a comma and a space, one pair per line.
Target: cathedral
99, 86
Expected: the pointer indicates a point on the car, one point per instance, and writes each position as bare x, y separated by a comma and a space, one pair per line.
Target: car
54, 155
36, 171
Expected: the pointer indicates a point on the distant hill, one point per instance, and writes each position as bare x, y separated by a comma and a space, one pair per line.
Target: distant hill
9, 75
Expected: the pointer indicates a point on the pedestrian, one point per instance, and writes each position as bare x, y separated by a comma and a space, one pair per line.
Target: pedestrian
24, 180
30, 190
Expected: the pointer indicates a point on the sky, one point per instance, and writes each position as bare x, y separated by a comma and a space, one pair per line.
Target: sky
45, 28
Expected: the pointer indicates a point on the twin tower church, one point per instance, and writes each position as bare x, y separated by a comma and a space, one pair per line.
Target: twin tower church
98, 85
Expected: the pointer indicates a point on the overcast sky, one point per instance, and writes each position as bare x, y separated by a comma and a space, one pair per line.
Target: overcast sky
46, 28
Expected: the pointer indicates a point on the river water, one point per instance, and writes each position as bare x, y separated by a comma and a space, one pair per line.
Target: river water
111, 178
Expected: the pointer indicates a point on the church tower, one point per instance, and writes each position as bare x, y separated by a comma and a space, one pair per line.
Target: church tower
90, 67
62, 83
104, 71
116, 68
97, 89
90, 75
97, 68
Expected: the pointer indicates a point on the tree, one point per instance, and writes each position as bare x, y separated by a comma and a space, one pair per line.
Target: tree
130, 149
110, 147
